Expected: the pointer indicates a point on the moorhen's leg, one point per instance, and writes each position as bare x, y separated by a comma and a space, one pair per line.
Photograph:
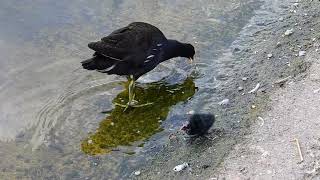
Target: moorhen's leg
131, 102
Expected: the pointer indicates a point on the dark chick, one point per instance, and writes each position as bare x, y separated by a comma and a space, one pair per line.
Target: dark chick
133, 51
199, 124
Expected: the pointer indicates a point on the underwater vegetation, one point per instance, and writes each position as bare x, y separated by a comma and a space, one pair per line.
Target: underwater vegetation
136, 124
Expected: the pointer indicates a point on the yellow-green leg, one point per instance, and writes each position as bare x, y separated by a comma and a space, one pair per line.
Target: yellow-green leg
131, 102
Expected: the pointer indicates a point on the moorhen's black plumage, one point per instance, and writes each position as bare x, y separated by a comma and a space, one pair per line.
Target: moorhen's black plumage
133, 51
199, 124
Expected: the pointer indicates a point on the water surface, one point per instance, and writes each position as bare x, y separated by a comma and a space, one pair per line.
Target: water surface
49, 105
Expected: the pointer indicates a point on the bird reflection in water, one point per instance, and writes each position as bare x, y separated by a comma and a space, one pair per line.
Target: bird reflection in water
137, 124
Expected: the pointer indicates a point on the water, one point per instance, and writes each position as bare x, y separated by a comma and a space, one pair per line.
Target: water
50, 106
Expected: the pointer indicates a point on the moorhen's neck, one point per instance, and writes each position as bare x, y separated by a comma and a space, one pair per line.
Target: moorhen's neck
173, 49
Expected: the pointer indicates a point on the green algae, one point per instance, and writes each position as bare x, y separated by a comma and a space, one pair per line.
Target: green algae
137, 124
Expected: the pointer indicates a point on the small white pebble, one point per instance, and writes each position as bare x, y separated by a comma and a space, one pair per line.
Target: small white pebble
90, 141
180, 167
137, 173
288, 32
191, 112
269, 56
112, 123
302, 53
224, 102
240, 88
253, 106
244, 78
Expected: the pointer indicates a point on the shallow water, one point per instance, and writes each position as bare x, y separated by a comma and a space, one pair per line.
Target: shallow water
50, 106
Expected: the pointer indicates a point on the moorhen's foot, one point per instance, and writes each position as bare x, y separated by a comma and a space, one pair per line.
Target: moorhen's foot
134, 105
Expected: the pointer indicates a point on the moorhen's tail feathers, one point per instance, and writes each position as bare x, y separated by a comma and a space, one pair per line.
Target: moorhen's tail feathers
99, 62
89, 64
108, 50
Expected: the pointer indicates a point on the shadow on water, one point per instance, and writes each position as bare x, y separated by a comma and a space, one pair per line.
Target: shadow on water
137, 124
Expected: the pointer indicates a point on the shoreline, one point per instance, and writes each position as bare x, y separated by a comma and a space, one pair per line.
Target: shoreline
265, 56
270, 150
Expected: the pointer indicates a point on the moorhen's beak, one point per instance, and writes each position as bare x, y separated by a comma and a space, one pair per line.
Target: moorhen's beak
191, 60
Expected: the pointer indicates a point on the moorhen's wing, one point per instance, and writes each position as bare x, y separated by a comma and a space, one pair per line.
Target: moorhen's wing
134, 43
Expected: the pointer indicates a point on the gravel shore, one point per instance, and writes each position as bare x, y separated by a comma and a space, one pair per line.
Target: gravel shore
284, 140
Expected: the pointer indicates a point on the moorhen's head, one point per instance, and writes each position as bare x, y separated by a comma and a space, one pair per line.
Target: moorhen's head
188, 51
198, 124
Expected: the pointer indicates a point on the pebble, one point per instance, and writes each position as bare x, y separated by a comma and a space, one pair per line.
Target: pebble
302, 53
240, 88
191, 112
224, 102
90, 141
270, 56
137, 173
288, 32
244, 78
181, 167
253, 106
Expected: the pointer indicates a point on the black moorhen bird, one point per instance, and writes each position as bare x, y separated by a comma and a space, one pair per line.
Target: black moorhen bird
133, 51
198, 124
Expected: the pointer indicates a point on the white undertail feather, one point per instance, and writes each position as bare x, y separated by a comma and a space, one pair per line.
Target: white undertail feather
113, 58
108, 69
